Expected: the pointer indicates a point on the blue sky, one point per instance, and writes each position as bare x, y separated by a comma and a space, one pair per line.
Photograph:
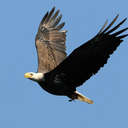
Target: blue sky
23, 104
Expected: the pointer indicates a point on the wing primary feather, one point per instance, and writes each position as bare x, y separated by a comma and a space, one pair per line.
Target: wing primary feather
49, 15
119, 32
44, 18
106, 22
117, 26
57, 20
123, 36
54, 17
111, 23
60, 26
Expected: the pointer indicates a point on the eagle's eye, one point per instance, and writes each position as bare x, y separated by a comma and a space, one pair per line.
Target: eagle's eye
31, 74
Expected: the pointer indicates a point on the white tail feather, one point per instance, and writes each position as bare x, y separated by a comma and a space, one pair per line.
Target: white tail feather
83, 98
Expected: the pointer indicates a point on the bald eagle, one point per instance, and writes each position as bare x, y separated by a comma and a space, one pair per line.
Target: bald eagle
60, 74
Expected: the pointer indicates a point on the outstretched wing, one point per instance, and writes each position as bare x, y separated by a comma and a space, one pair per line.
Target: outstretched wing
50, 41
87, 59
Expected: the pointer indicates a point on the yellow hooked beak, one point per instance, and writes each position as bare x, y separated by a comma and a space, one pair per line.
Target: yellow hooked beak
28, 75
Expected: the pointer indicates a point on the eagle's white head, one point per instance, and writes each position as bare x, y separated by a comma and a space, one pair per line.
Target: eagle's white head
34, 76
